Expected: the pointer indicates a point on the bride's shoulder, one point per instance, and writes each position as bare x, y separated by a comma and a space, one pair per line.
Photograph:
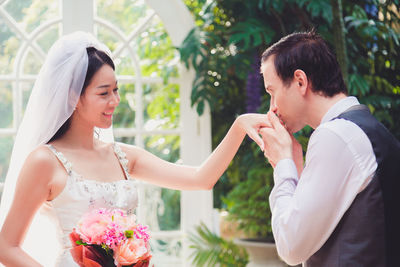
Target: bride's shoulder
128, 148
39, 168
131, 152
41, 157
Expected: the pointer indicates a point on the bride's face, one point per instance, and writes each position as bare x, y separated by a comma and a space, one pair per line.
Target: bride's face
96, 106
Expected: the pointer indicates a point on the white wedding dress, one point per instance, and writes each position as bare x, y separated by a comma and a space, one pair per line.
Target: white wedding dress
81, 195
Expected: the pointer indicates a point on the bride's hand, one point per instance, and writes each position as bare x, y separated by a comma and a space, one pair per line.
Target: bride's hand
251, 123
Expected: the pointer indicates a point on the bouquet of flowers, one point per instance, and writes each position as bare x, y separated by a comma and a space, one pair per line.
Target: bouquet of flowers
109, 238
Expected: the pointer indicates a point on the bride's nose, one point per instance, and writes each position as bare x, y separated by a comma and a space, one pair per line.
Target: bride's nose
114, 101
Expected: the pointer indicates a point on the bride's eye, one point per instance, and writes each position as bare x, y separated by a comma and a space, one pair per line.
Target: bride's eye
103, 94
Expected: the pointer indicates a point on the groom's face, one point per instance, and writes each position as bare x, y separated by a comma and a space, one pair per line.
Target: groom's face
285, 99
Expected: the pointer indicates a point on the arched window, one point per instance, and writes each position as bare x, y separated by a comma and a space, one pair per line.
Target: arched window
155, 111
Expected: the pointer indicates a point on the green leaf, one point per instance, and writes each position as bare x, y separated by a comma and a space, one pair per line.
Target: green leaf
212, 250
249, 34
200, 107
129, 233
80, 242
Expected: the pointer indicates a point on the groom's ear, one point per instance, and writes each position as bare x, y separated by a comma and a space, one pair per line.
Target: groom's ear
301, 81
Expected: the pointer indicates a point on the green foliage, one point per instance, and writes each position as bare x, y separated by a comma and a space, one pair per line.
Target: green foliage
248, 202
373, 45
222, 46
170, 218
210, 249
250, 34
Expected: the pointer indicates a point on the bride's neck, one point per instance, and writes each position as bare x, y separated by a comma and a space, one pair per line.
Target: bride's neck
80, 135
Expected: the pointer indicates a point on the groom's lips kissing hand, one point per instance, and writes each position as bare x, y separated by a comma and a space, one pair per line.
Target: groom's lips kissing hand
280, 119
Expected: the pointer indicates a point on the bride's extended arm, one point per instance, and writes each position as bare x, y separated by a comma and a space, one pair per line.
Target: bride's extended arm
33, 188
147, 167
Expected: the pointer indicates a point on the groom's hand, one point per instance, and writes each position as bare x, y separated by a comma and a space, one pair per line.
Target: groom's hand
251, 124
277, 141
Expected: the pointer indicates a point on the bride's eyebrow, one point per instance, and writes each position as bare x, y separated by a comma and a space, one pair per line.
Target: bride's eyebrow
106, 85
103, 86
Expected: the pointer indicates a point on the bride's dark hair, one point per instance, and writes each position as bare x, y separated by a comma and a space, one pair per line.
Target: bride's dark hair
96, 59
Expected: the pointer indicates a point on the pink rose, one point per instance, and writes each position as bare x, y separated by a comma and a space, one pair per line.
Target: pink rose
93, 226
131, 251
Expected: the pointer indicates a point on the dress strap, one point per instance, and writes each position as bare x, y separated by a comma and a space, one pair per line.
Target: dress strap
122, 158
67, 165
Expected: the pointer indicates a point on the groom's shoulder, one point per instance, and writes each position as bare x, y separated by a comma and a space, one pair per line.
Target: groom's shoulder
345, 130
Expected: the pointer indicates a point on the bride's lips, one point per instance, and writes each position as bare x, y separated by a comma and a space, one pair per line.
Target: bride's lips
108, 114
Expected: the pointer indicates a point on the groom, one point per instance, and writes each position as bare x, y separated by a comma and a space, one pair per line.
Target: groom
342, 208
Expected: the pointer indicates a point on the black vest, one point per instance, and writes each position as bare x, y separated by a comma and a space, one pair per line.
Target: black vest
368, 234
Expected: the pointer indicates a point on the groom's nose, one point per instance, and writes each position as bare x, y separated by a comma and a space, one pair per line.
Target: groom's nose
272, 106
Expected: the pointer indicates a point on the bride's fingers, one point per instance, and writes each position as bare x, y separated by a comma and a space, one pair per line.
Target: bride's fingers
253, 134
264, 121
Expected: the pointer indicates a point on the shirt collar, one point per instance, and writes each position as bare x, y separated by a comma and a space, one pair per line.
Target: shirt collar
339, 107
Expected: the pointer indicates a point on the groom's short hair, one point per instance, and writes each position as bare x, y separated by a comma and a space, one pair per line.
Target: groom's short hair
310, 53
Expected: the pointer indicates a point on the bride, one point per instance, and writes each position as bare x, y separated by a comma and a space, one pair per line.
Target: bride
61, 167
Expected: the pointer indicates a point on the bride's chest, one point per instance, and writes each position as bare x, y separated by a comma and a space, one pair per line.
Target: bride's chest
90, 194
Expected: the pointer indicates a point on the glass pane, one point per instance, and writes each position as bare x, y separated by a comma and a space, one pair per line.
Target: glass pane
161, 104
124, 116
126, 140
9, 45
6, 105
124, 14
49, 37
32, 63
166, 201
124, 64
168, 251
6, 144
15, 8
161, 208
30, 14
164, 146
169, 213
108, 37
156, 52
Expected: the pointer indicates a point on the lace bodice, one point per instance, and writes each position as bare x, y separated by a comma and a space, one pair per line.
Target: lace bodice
81, 195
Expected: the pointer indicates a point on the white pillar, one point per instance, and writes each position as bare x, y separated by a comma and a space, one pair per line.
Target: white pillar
196, 206
77, 15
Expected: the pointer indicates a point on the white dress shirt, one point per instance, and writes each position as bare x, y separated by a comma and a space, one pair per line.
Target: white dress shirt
339, 164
